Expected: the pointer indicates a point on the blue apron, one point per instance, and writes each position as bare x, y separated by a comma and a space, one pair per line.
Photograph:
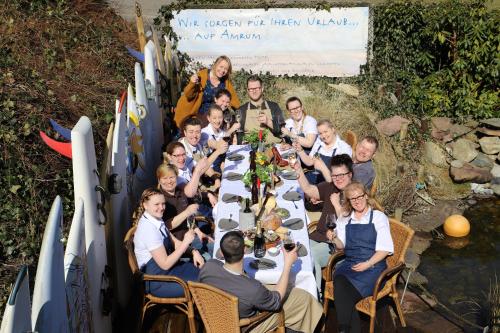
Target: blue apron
360, 246
184, 270
315, 177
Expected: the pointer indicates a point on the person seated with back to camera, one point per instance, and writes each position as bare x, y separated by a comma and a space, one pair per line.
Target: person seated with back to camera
300, 127
179, 207
302, 311
195, 151
364, 234
363, 170
327, 144
320, 239
215, 132
157, 251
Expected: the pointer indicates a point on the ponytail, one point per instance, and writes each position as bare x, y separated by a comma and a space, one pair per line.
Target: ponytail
139, 211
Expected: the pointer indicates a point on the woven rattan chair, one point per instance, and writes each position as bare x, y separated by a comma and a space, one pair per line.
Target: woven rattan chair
401, 237
219, 311
184, 303
351, 138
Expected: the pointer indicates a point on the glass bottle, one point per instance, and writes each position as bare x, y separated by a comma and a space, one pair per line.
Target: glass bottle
259, 244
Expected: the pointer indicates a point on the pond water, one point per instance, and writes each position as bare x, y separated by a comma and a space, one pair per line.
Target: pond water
461, 270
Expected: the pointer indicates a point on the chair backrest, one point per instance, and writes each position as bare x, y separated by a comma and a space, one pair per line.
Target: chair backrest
401, 237
218, 309
129, 245
351, 138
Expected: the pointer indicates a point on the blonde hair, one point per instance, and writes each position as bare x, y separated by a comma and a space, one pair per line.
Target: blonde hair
163, 169
224, 58
357, 186
146, 195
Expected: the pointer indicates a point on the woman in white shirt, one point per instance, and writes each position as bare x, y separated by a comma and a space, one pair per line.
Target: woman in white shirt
158, 252
365, 236
299, 127
327, 145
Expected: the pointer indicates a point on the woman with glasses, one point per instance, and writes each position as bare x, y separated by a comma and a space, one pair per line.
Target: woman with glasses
299, 127
201, 90
327, 145
178, 206
365, 236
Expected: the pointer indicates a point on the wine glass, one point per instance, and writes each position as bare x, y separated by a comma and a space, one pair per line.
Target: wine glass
206, 150
292, 158
191, 222
288, 242
228, 118
198, 198
331, 225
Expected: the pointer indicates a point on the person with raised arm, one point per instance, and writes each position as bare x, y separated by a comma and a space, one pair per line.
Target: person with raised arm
202, 87
157, 251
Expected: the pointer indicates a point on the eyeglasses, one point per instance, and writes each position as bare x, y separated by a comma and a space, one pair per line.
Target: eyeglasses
179, 155
340, 175
254, 89
296, 109
358, 198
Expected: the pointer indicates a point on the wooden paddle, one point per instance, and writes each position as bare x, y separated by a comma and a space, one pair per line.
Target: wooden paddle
140, 27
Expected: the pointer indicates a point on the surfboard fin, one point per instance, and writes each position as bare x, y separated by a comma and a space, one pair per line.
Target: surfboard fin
63, 148
136, 54
63, 131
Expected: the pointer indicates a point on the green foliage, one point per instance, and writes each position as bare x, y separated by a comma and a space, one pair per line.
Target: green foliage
445, 56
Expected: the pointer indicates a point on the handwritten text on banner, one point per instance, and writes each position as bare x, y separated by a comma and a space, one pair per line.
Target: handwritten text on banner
279, 41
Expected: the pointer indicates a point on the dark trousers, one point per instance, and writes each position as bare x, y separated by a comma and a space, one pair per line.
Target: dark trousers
346, 296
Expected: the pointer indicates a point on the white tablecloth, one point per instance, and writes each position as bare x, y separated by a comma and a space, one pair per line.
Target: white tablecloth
301, 275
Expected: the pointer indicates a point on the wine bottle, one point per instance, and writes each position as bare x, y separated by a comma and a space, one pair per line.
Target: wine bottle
247, 206
259, 244
253, 165
255, 190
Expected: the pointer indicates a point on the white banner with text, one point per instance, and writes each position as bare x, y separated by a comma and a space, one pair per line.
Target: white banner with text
279, 40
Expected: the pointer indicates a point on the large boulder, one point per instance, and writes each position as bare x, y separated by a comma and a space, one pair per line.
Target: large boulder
463, 150
462, 172
490, 144
391, 126
440, 127
435, 154
482, 161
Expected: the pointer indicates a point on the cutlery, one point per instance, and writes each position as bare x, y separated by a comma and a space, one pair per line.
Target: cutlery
295, 204
291, 188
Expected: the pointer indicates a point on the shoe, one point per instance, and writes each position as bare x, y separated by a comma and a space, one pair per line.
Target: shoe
277, 157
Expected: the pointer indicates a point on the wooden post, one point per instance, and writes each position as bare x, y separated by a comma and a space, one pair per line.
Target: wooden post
140, 27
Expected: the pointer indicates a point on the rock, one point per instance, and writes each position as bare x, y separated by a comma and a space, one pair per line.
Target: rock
420, 242
435, 216
488, 131
459, 130
435, 154
471, 123
495, 181
495, 170
412, 260
346, 89
470, 173
412, 303
471, 202
482, 189
496, 189
495, 122
393, 98
391, 126
490, 144
457, 164
441, 123
463, 150
482, 161
415, 278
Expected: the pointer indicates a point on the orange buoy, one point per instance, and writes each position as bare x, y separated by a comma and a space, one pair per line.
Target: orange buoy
456, 226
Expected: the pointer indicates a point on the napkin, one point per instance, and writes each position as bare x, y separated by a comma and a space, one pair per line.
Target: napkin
235, 157
292, 196
263, 263
294, 224
301, 250
233, 176
227, 224
230, 197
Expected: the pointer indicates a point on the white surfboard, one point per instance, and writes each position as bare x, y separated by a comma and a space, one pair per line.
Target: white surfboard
76, 275
120, 212
49, 295
152, 80
17, 314
86, 185
146, 124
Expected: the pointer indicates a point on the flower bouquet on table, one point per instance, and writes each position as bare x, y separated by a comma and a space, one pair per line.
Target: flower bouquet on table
256, 137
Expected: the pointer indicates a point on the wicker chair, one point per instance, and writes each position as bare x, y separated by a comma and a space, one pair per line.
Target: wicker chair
351, 138
219, 311
401, 237
184, 303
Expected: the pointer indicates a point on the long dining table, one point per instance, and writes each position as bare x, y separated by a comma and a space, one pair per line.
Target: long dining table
301, 275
